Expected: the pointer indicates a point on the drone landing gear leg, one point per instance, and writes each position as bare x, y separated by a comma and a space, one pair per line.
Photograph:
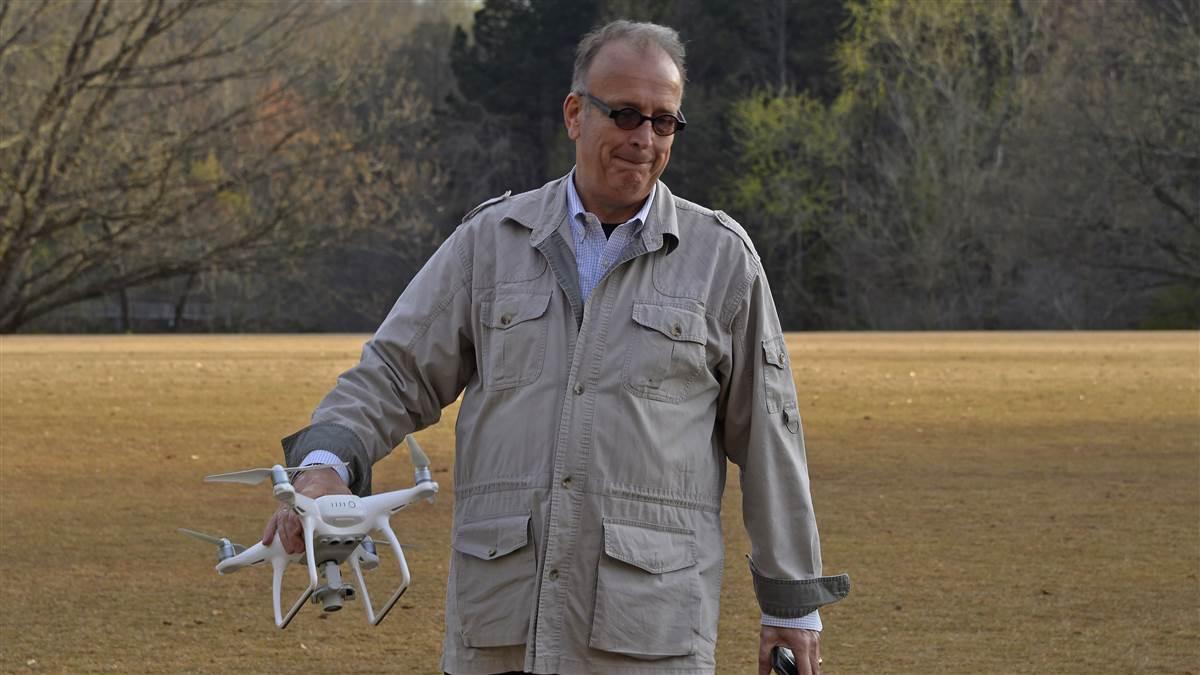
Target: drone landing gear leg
279, 563
405, 578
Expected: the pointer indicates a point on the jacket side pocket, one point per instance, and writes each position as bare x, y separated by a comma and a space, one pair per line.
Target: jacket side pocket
494, 579
647, 591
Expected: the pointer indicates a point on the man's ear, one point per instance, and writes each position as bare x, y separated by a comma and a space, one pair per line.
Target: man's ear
572, 115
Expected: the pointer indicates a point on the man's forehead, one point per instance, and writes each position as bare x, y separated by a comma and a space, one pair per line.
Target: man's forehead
621, 61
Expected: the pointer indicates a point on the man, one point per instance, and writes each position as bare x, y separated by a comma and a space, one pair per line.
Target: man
614, 345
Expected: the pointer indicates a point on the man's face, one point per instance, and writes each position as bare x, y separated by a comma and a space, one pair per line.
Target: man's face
615, 169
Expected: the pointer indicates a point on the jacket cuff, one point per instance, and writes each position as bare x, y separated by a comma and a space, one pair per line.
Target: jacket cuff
794, 598
340, 441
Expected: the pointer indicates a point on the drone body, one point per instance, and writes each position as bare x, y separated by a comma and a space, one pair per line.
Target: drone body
336, 530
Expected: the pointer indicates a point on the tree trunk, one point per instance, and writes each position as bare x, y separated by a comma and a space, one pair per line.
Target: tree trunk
125, 325
180, 304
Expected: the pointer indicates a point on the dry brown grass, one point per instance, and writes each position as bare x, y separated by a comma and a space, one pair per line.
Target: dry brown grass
1003, 502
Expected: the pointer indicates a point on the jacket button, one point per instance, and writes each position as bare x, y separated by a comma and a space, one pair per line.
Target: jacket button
578, 389
491, 552
782, 357
505, 320
553, 575
566, 482
677, 331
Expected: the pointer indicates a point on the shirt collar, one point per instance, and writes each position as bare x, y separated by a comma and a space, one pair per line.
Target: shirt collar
575, 205
543, 212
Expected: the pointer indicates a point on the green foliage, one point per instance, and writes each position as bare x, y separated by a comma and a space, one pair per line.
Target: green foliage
894, 174
792, 150
1174, 308
787, 191
208, 171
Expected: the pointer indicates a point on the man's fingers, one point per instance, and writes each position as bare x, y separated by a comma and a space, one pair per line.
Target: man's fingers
764, 655
806, 648
269, 532
293, 533
285, 524
764, 659
806, 665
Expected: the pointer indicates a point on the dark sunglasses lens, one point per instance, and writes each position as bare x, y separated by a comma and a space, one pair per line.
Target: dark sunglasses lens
664, 125
628, 119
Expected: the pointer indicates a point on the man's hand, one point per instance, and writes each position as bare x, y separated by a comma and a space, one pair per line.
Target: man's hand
285, 522
805, 646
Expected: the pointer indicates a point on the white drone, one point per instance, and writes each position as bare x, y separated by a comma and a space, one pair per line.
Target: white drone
336, 529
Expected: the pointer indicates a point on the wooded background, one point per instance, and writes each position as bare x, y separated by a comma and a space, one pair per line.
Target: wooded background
204, 165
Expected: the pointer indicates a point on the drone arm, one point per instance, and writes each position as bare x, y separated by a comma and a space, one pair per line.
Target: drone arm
280, 559
385, 504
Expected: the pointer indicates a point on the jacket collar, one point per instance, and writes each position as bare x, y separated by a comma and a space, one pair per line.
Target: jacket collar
546, 209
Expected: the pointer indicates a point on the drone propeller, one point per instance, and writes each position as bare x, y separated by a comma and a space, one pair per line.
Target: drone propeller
219, 541
419, 458
420, 461
256, 476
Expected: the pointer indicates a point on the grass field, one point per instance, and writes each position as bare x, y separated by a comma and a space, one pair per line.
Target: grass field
1023, 502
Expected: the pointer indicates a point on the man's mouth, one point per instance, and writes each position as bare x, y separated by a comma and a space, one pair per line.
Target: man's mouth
635, 163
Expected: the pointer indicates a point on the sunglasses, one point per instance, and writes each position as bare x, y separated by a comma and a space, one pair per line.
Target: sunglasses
632, 118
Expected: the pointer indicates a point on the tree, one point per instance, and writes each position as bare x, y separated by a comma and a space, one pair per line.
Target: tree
789, 183
513, 72
1119, 101
143, 141
734, 50
893, 177
394, 180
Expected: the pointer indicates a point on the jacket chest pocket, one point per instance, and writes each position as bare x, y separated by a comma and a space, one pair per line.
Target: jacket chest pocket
666, 358
494, 571
514, 342
647, 591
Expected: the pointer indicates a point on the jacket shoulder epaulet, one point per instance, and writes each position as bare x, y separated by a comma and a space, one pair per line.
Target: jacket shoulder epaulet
494, 200
732, 225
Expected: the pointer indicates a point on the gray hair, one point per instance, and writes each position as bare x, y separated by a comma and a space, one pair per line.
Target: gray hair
640, 35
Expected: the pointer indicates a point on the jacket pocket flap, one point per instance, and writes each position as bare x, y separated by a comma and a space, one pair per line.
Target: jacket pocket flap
673, 322
492, 538
775, 351
508, 310
652, 548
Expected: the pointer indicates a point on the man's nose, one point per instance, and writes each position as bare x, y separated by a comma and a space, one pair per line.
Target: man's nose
642, 135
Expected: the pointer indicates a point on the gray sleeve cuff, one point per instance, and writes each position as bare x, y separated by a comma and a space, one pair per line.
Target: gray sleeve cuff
794, 598
338, 440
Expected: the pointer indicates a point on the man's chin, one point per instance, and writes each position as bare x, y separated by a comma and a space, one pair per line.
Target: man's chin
632, 194
632, 184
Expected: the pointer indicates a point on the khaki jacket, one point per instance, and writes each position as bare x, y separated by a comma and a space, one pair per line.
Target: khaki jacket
592, 438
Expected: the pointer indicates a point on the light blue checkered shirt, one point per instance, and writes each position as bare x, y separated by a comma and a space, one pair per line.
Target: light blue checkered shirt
595, 253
